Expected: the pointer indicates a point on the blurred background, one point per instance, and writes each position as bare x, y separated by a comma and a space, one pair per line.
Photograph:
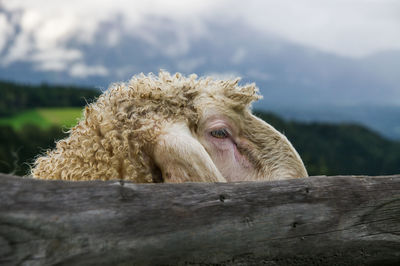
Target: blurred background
329, 70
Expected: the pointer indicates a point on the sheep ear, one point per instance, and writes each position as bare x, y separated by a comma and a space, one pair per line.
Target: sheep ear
182, 158
244, 95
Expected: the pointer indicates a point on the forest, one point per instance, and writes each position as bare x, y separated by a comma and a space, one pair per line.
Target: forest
326, 149
17, 97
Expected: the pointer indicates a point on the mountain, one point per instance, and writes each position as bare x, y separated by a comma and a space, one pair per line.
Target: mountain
297, 82
384, 120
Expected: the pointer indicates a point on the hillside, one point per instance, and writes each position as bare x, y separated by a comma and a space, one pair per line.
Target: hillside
17, 97
333, 149
44, 117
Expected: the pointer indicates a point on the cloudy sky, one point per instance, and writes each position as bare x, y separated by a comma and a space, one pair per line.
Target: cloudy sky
299, 52
39, 31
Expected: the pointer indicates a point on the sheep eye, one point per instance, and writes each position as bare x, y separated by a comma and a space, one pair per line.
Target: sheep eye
220, 133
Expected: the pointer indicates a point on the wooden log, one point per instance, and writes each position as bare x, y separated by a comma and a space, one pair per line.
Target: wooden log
338, 220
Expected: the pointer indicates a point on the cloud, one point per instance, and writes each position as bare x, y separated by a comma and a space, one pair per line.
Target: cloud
81, 70
19, 50
124, 72
6, 31
113, 37
47, 29
55, 59
188, 65
239, 55
223, 75
256, 74
57, 54
56, 66
351, 28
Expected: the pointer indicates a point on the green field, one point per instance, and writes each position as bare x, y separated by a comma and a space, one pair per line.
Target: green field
44, 117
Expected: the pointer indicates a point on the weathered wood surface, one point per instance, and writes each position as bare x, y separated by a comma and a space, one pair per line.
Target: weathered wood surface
314, 221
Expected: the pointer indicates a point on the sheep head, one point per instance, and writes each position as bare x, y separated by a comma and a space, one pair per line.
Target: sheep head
173, 129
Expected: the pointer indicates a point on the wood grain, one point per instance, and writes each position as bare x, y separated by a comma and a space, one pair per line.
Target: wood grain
342, 220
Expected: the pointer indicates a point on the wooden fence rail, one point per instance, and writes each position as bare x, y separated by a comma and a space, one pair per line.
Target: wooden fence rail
340, 220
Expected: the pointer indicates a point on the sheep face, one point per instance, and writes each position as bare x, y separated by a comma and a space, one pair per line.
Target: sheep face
244, 147
226, 143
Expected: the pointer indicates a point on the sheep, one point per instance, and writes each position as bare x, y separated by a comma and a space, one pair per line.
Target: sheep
172, 128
